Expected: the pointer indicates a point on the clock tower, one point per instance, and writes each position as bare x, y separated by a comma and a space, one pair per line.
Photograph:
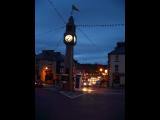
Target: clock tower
70, 41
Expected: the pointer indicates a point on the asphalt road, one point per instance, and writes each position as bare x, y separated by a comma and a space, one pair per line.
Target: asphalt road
100, 104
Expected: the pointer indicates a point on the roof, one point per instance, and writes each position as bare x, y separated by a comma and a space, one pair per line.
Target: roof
119, 49
59, 56
50, 55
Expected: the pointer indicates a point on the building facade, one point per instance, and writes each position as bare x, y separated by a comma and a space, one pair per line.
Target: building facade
49, 66
116, 63
92, 70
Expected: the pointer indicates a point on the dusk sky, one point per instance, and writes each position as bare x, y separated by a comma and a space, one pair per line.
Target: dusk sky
94, 42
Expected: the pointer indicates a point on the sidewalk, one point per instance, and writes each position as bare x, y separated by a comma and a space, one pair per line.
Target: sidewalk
47, 85
51, 87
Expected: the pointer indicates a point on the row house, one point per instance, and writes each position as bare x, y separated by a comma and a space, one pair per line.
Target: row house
116, 63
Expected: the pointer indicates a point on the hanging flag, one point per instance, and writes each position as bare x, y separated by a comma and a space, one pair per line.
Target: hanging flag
75, 8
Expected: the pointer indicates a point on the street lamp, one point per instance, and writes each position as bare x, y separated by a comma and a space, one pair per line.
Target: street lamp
106, 71
46, 68
100, 69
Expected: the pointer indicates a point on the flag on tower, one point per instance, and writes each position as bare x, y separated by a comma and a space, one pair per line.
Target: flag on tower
75, 8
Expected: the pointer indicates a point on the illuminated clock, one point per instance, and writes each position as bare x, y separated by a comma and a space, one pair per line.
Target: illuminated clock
69, 38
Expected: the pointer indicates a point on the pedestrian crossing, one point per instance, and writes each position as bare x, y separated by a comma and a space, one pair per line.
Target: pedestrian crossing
88, 91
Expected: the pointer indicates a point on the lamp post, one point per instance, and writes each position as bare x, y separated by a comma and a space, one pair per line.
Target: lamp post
106, 71
100, 69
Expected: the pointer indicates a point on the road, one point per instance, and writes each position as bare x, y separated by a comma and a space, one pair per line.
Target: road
99, 104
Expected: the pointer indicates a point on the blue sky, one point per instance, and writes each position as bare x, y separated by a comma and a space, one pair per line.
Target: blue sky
50, 27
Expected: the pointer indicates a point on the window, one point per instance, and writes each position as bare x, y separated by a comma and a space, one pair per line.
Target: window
116, 57
62, 63
116, 68
61, 70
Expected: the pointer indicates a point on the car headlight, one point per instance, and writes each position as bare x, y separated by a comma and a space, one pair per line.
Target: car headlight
89, 84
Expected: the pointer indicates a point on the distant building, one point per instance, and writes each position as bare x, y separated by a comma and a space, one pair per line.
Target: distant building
90, 68
116, 63
49, 65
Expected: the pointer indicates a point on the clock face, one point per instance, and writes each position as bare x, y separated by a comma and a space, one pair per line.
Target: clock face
68, 38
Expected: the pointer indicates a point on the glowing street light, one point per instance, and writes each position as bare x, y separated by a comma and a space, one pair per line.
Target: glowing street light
46, 68
100, 69
106, 71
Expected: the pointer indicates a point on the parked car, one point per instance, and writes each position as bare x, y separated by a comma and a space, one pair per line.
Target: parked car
38, 83
98, 82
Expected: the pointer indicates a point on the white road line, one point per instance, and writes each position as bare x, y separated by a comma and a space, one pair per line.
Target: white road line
71, 97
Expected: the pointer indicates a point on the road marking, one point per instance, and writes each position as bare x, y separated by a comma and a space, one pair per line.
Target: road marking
70, 96
85, 92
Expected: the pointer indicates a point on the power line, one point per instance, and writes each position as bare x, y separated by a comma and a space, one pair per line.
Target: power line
85, 26
86, 36
58, 13
51, 30
90, 40
102, 25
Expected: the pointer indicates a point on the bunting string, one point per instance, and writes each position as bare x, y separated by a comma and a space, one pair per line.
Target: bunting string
104, 25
